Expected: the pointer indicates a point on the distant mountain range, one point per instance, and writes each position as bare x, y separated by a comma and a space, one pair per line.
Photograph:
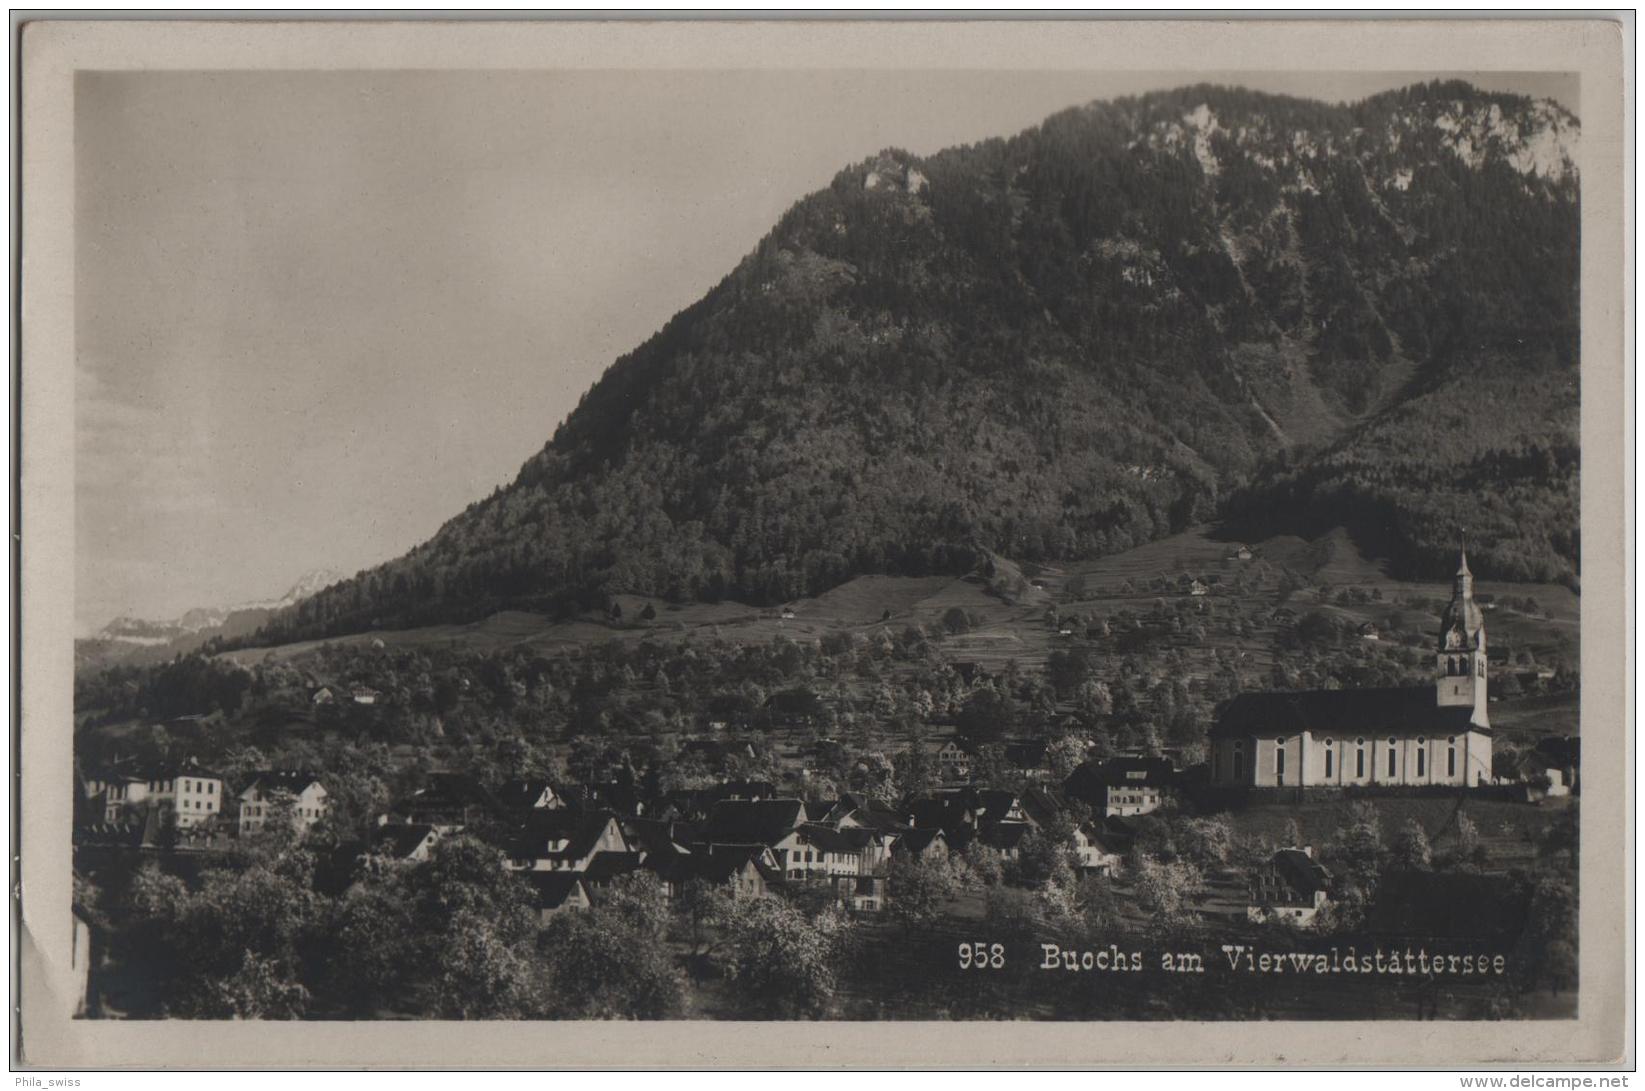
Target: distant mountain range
138, 640
1142, 314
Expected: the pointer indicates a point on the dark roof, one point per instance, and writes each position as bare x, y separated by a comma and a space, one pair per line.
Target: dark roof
282, 780
607, 866
995, 804
1290, 877
711, 863
398, 840
450, 791
654, 835
916, 841
867, 812
749, 822
579, 831
831, 839
1042, 805
554, 887
1406, 710
521, 795
1131, 772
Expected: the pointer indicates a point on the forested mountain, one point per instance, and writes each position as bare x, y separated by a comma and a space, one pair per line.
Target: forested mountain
1141, 314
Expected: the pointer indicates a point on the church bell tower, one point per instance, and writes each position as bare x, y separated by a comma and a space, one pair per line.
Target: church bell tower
1462, 669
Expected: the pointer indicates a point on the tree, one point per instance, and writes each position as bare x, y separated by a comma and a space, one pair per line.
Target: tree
369, 949
1063, 755
1470, 853
1547, 947
781, 963
262, 988
1411, 851
918, 890
1205, 842
986, 716
1166, 890
1358, 849
701, 907
471, 918
600, 964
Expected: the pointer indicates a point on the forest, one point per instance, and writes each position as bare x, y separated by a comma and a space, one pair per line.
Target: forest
1134, 317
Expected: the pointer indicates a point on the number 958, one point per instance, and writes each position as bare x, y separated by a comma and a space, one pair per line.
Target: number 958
982, 956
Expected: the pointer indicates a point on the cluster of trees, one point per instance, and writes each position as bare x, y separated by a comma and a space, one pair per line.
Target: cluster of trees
457, 937
1044, 347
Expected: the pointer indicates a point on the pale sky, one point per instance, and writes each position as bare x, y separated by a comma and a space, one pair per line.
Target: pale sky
317, 314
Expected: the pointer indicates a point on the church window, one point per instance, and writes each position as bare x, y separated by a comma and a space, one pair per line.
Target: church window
1480, 664
1451, 756
1330, 760
1359, 758
1279, 760
1422, 757
1393, 757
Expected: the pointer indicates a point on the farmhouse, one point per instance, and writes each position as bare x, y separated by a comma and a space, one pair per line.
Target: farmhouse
1421, 735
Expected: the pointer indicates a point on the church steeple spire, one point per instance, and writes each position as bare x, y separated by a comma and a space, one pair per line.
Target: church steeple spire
1462, 662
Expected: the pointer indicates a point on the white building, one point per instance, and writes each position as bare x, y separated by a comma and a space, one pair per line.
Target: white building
191, 793
1421, 735
270, 789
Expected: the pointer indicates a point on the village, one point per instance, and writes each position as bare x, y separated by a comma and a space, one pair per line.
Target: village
1375, 812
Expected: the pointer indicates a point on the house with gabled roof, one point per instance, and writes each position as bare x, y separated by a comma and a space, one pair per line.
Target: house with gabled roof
753, 821
921, 844
1291, 886
557, 891
1127, 784
185, 790
272, 789
566, 840
815, 848
746, 871
515, 796
404, 843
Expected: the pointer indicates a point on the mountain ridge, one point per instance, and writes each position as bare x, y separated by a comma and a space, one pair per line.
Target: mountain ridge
1137, 315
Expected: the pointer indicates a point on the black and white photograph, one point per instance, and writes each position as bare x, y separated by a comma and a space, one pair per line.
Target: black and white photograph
837, 544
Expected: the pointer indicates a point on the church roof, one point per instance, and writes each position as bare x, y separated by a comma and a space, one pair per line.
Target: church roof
1409, 710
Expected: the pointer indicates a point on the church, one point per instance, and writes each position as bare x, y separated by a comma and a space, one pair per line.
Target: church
1421, 735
